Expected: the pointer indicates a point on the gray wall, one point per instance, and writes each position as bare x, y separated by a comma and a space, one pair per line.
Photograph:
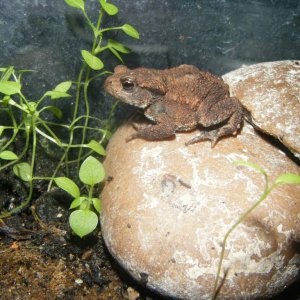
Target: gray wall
216, 35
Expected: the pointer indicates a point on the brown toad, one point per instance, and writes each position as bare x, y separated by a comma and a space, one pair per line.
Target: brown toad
178, 99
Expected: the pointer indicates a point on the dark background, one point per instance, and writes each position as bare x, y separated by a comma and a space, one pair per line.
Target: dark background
216, 35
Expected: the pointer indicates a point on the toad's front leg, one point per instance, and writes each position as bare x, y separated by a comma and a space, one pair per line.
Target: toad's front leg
164, 128
158, 131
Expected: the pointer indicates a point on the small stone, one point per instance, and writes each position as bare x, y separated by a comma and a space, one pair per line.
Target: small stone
87, 254
132, 294
79, 281
71, 257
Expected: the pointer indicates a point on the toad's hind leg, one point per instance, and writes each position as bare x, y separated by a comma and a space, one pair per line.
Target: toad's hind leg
228, 109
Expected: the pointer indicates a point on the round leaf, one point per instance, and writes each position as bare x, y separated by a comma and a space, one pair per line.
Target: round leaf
8, 155
131, 31
23, 171
92, 61
91, 171
109, 8
68, 185
83, 222
76, 3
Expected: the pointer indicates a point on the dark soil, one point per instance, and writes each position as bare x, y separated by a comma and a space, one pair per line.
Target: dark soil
40, 258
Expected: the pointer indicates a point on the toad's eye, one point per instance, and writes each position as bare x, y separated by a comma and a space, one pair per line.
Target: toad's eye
127, 84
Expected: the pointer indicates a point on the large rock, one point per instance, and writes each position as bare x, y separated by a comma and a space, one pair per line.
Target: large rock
168, 206
271, 92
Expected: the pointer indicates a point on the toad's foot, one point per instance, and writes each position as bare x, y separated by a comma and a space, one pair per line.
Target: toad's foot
213, 135
139, 128
132, 137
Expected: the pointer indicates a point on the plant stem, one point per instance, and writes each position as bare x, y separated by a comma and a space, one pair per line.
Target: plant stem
78, 91
16, 129
22, 153
29, 196
266, 192
91, 189
87, 110
58, 142
87, 81
75, 112
61, 159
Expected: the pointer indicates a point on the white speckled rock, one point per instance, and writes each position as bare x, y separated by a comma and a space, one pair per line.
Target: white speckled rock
271, 91
168, 207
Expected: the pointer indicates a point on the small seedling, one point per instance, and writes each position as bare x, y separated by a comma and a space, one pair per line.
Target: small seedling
84, 220
287, 178
28, 119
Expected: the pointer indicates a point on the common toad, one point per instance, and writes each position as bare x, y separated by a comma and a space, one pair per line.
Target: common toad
178, 99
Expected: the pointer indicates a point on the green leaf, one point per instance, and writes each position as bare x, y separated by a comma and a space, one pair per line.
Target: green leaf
57, 95
97, 204
31, 106
10, 87
2, 128
83, 222
23, 171
288, 178
131, 31
100, 49
109, 8
76, 202
55, 110
63, 86
8, 155
118, 46
91, 171
250, 165
93, 61
116, 54
96, 147
68, 185
76, 3
7, 100
7, 73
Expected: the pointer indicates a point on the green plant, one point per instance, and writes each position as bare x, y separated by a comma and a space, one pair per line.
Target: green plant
287, 178
84, 220
91, 61
29, 120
